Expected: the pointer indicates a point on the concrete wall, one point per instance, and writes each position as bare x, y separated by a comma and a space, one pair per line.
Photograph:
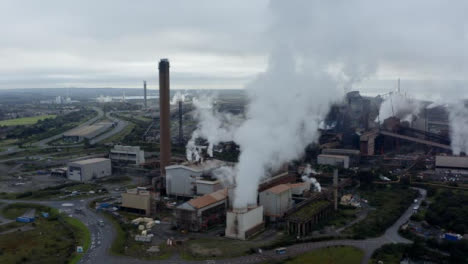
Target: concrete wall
239, 224
181, 180
275, 205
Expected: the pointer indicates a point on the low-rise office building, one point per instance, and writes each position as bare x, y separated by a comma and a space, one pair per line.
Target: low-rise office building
137, 200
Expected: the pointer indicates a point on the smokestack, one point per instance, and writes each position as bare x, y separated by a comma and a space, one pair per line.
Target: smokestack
164, 116
335, 188
144, 91
181, 124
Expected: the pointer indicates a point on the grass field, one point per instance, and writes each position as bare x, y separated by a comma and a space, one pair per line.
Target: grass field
220, 247
119, 136
48, 240
82, 236
24, 120
330, 255
12, 212
389, 203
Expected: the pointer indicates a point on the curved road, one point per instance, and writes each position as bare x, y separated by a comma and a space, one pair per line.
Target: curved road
102, 238
43, 143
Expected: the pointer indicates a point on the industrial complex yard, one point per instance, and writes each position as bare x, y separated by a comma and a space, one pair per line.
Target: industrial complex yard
274, 132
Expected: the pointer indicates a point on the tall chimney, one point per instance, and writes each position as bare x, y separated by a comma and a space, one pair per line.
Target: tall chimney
144, 90
164, 116
335, 189
181, 124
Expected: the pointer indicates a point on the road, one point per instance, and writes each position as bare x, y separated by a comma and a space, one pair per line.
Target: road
102, 238
121, 124
43, 143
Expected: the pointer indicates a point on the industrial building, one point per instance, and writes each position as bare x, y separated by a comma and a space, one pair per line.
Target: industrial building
86, 170
333, 160
243, 223
276, 200
353, 154
452, 164
201, 213
302, 222
189, 180
86, 132
127, 155
137, 200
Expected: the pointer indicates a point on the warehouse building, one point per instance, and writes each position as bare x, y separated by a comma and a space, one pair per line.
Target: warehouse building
86, 170
333, 160
201, 213
127, 155
189, 180
452, 164
353, 154
86, 132
137, 200
276, 201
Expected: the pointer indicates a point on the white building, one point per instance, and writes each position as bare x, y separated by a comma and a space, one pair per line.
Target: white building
187, 179
85, 170
244, 223
127, 154
333, 160
276, 200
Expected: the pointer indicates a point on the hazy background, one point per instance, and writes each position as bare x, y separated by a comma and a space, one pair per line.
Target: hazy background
223, 44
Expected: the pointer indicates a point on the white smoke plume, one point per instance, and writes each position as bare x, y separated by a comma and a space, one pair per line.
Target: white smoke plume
305, 177
225, 174
458, 117
178, 96
400, 106
213, 126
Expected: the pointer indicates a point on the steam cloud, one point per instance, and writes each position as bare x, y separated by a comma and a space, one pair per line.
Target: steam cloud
458, 117
214, 126
319, 49
399, 106
305, 177
178, 96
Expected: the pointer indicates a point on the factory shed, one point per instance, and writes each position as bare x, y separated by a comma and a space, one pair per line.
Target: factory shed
452, 164
302, 222
353, 154
276, 201
208, 186
333, 160
86, 170
299, 188
86, 132
202, 213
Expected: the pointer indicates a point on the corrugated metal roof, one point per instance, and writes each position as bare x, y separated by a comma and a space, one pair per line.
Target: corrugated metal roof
452, 161
278, 188
89, 161
208, 199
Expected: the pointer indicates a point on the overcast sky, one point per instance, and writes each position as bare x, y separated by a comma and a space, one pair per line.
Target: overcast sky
223, 44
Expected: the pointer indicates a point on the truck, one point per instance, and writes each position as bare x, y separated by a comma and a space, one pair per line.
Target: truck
280, 251
452, 237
